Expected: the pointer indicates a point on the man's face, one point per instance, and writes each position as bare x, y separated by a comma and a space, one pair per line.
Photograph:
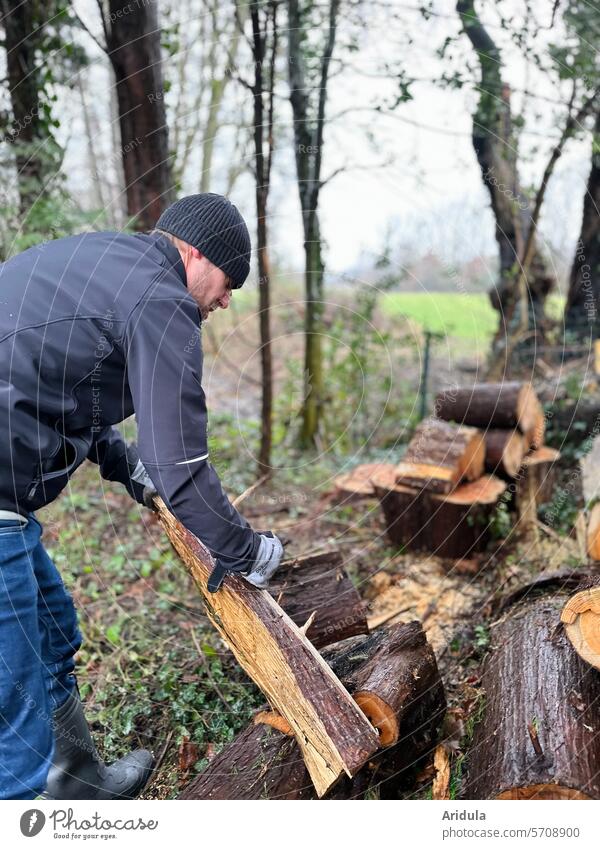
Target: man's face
208, 285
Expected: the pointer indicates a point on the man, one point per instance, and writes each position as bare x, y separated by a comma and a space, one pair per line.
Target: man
94, 328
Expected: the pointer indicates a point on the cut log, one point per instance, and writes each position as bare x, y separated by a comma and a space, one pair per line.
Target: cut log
440, 455
459, 523
404, 511
534, 485
581, 618
497, 405
357, 484
538, 736
385, 672
454, 525
334, 735
593, 533
319, 584
504, 451
262, 762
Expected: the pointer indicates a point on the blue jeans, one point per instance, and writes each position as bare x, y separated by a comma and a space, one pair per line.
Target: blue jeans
39, 636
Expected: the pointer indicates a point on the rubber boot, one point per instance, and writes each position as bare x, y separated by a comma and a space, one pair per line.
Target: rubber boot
77, 772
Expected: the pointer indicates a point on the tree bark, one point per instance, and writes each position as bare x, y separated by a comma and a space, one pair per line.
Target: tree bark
538, 736
508, 404
263, 88
309, 126
263, 763
534, 485
133, 42
453, 526
23, 27
495, 145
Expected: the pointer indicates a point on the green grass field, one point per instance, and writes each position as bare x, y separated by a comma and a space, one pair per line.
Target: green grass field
468, 316
464, 316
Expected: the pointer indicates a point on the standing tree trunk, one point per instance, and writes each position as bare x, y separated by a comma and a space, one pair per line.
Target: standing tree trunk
309, 124
133, 43
22, 25
495, 146
263, 88
581, 311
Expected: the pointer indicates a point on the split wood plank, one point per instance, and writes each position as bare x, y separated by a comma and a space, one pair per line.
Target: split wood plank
333, 734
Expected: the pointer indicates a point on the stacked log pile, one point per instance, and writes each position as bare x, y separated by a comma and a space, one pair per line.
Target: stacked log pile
485, 443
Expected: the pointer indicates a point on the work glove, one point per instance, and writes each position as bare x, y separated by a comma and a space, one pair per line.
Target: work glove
141, 476
267, 561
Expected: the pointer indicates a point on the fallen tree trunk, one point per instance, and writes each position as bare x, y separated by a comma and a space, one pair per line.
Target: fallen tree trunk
452, 526
440, 455
538, 736
334, 735
396, 668
581, 618
504, 451
318, 584
497, 405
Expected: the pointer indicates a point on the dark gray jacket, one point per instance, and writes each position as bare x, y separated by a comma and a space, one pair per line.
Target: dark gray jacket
92, 329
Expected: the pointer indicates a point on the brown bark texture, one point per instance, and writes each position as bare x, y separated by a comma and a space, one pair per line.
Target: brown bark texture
509, 404
534, 484
133, 42
452, 526
538, 734
319, 584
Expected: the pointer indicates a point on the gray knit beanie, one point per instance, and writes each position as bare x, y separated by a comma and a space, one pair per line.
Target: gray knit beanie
213, 225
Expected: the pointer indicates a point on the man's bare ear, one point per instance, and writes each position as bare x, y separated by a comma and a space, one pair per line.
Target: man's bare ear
196, 253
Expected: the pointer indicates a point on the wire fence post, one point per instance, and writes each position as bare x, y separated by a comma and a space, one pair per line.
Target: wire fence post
425, 376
